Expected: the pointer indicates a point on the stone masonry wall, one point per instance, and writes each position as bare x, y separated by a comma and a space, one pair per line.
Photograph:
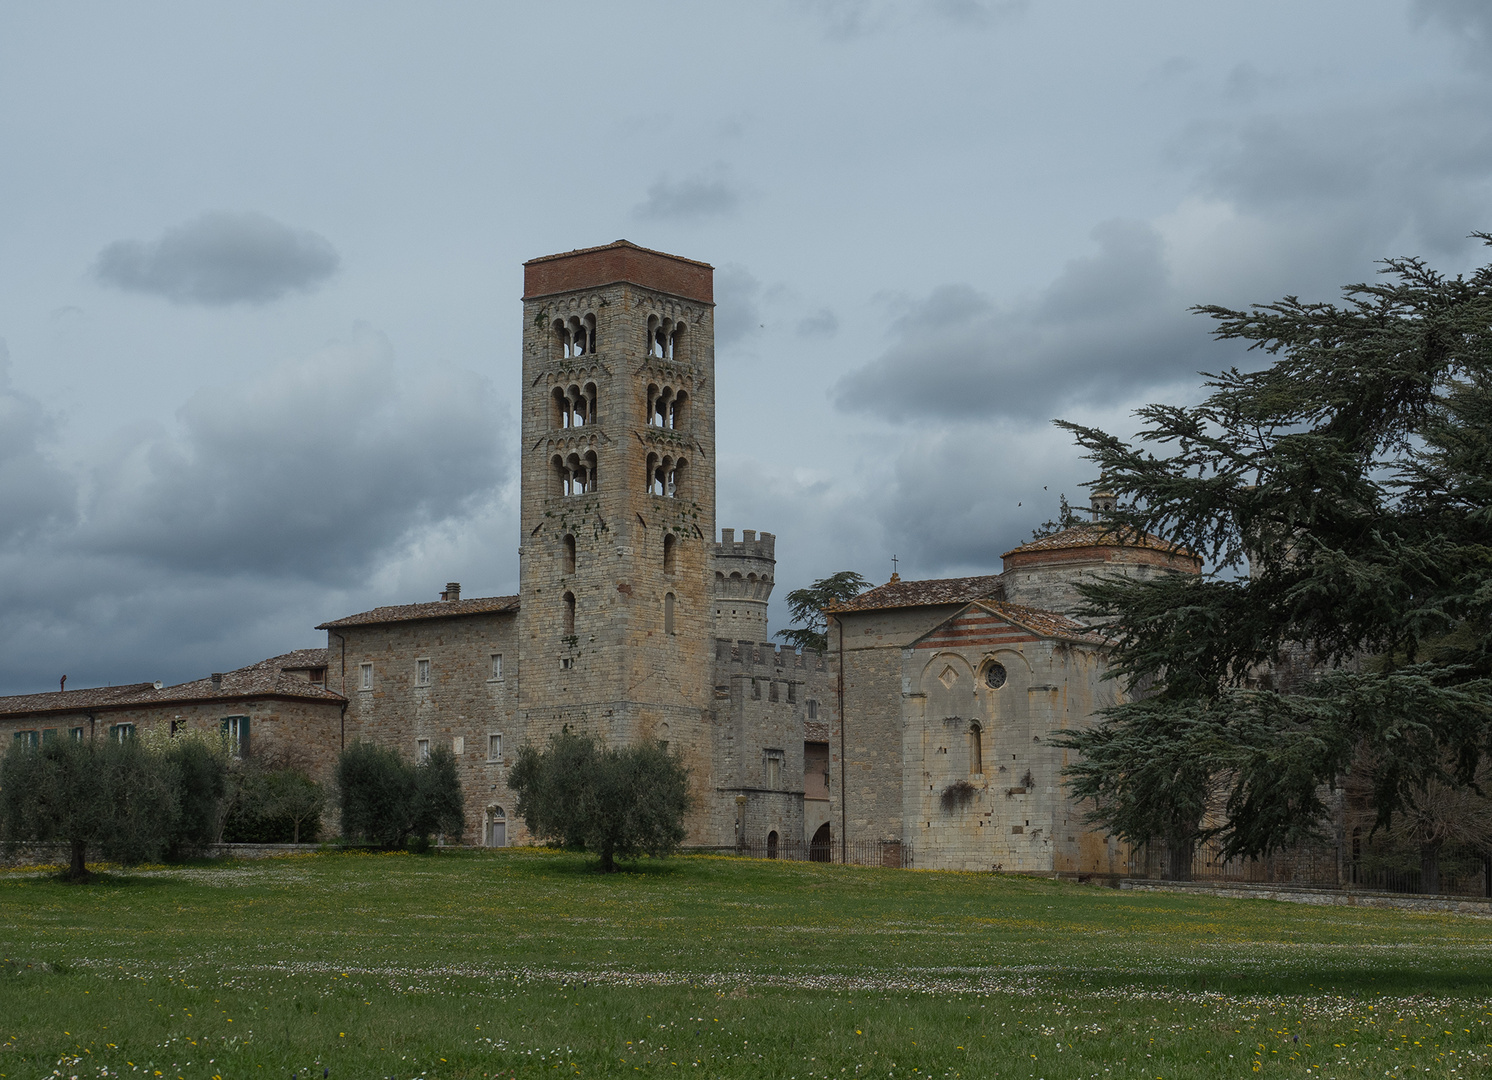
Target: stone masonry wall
865, 788
628, 669
763, 697
461, 707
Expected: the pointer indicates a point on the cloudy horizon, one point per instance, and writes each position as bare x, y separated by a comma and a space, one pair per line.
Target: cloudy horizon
259, 323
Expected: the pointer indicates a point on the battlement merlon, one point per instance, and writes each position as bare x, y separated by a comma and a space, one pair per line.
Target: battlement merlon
745, 652
751, 545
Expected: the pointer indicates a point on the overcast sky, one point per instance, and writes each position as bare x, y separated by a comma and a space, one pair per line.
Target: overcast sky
260, 269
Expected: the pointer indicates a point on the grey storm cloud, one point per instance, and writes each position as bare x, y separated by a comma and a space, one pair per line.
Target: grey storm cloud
1470, 20
36, 493
738, 297
1108, 321
1414, 172
220, 258
823, 323
692, 198
281, 478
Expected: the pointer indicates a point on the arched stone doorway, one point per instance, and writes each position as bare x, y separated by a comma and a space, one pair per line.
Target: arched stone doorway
772, 844
497, 827
821, 846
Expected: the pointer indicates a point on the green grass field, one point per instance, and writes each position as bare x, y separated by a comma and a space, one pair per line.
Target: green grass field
526, 963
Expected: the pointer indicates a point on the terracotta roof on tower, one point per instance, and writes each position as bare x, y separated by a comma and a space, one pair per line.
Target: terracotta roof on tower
436, 609
615, 244
899, 594
1098, 534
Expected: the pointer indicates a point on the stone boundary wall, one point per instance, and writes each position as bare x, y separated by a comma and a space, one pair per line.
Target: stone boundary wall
59, 854
1460, 905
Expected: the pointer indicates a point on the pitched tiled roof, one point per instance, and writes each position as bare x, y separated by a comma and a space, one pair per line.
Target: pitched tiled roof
1045, 623
1098, 534
267, 678
614, 244
815, 731
899, 594
437, 609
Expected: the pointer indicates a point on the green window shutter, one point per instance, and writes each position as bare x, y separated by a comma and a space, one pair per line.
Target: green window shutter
243, 736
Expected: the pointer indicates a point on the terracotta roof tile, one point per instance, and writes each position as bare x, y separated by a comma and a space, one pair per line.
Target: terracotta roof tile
614, 244
815, 731
266, 678
1097, 534
436, 609
1044, 623
899, 594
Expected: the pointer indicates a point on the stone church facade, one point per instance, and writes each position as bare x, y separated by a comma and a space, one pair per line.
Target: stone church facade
921, 731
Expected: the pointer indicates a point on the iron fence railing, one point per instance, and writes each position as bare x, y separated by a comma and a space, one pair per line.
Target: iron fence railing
1462, 871
888, 853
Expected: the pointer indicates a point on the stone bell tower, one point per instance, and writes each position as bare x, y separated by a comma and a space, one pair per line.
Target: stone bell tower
618, 499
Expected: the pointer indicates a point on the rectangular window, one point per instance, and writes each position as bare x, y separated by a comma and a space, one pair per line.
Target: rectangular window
26, 738
772, 691
813, 709
566, 663
494, 747
422, 750
236, 731
422, 672
121, 732
497, 666
792, 693
774, 768
458, 745
77, 734
365, 677
756, 689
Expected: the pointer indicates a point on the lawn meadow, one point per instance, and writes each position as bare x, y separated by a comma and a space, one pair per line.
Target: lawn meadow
528, 963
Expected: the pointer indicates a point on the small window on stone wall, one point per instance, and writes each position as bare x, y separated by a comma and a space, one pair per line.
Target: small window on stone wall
670, 552
772, 691
422, 750
774, 768
569, 615
813, 709
422, 672
494, 747
668, 603
792, 693
365, 677
568, 557
976, 750
497, 667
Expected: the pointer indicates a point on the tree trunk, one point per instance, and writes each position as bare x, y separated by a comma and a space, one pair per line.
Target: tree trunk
608, 862
295, 836
78, 871
1179, 858
1429, 868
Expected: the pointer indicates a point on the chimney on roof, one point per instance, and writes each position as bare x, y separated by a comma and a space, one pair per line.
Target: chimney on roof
1102, 504
453, 591
63, 684
217, 680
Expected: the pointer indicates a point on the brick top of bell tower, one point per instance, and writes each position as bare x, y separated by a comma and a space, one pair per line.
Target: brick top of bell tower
589, 268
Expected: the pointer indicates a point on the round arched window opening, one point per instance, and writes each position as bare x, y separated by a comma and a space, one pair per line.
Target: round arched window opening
994, 675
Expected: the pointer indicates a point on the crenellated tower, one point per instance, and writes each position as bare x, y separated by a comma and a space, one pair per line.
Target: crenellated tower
616, 567
743, 584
